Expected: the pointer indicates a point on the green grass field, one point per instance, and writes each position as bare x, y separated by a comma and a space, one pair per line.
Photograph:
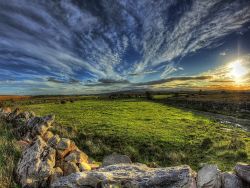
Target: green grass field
9, 155
148, 132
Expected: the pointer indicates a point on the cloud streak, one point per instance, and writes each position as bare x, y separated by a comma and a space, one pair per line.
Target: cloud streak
109, 42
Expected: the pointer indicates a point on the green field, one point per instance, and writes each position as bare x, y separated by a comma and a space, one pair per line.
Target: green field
148, 132
9, 155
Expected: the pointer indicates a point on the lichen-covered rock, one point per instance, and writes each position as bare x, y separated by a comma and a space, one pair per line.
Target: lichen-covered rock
47, 136
77, 156
64, 147
22, 144
84, 167
243, 171
115, 159
129, 175
94, 166
63, 144
13, 115
57, 173
209, 177
36, 164
69, 168
40, 125
54, 141
4, 112
230, 180
22, 118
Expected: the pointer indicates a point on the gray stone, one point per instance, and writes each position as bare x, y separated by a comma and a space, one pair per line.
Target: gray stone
230, 180
69, 168
54, 141
115, 159
209, 177
243, 171
130, 175
77, 156
40, 125
36, 164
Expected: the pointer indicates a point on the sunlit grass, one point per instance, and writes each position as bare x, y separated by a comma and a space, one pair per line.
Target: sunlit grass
147, 132
9, 155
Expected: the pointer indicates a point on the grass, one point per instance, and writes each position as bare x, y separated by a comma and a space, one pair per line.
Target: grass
148, 132
9, 155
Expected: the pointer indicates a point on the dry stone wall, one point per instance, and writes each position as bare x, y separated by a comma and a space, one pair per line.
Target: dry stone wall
47, 160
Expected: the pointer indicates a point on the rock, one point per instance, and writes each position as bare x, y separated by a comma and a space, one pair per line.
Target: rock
22, 144
69, 168
129, 175
76, 180
21, 131
57, 172
5, 111
13, 115
36, 164
94, 166
23, 117
115, 159
209, 177
84, 167
47, 136
63, 144
77, 156
243, 171
40, 125
230, 180
64, 147
60, 163
54, 141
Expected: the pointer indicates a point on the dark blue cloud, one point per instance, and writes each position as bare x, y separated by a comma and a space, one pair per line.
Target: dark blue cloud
48, 44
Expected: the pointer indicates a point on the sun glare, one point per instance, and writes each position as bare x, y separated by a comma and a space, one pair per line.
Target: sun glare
237, 70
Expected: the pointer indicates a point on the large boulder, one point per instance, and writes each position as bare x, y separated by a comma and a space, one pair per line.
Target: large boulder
209, 177
115, 159
243, 171
230, 180
36, 164
129, 175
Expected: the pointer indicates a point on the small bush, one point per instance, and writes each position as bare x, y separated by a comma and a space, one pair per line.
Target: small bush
241, 155
206, 143
63, 102
148, 95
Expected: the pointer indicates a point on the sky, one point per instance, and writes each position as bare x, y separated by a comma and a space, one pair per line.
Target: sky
96, 46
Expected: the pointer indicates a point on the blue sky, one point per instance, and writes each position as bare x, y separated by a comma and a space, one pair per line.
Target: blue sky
94, 46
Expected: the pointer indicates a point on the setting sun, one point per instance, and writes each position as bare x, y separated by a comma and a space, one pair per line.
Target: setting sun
237, 70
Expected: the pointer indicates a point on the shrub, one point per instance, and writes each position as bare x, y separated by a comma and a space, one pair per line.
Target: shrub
148, 95
241, 155
63, 102
206, 143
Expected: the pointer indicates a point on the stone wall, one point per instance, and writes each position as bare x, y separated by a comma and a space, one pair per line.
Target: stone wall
48, 160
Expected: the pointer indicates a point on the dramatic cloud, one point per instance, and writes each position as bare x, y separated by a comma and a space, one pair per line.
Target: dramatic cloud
185, 78
111, 81
53, 43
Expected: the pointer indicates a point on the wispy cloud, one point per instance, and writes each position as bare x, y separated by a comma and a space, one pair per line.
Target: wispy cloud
108, 42
184, 78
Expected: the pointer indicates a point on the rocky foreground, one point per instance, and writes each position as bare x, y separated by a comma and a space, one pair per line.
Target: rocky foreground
48, 160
